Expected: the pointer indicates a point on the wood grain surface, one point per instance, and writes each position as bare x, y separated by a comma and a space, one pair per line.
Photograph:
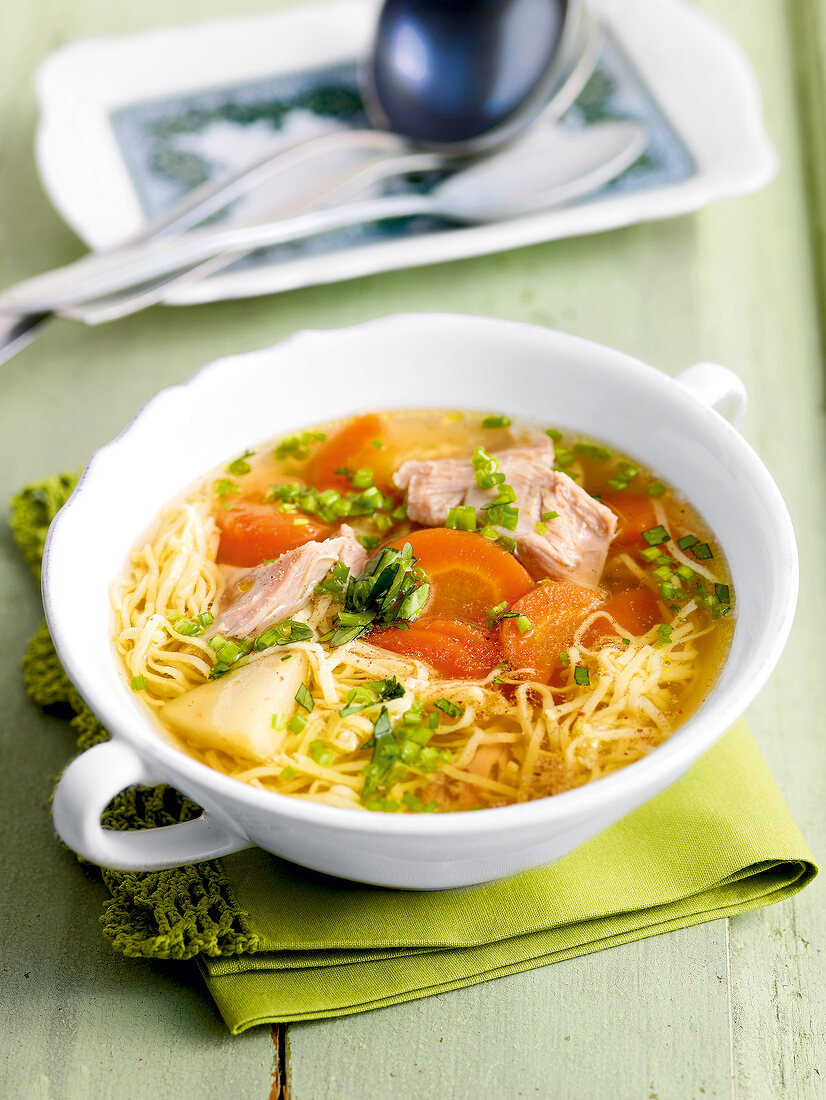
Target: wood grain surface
728, 1009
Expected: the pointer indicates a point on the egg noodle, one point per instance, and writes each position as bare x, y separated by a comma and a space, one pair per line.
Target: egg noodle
514, 739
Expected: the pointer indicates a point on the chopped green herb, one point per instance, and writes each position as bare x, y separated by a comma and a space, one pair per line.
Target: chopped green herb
205, 618
581, 676
687, 541
541, 528
462, 518
655, 536
296, 724
240, 466
565, 658
592, 450
625, 641
624, 476
554, 433
278, 721
721, 591
223, 487
284, 633
320, 753
362, 478
701, 551
288, 773
548, 516
377, 443
298, 446
138, 683
448, 708
523, 624
369, 542
304, 698
656, 490
496, 422
507, 543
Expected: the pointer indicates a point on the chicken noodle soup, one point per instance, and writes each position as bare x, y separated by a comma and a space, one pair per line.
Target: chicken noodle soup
424, 611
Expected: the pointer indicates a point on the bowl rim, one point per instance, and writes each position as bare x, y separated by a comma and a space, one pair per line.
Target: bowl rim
669, 760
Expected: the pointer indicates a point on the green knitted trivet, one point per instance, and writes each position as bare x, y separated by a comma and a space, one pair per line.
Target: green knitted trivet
173, 914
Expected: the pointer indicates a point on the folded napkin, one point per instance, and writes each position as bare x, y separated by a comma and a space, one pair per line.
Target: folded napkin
277, 943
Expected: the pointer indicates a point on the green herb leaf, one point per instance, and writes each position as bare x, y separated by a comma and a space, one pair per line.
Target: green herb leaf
138, 683
448, 708
239, 466
496, 422
304, 698
655, 536
582, 676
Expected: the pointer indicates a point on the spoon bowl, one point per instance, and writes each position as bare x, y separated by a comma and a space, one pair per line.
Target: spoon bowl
465, 75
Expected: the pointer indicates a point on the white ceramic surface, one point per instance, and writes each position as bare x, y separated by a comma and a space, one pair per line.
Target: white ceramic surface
699, 77
416, 360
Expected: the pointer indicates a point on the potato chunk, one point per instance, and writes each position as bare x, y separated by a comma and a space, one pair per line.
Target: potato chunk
234, 713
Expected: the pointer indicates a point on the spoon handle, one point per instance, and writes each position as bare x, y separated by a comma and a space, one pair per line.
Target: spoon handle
98, 275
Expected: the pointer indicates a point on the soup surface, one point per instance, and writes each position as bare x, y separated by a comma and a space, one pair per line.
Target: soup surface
424, 611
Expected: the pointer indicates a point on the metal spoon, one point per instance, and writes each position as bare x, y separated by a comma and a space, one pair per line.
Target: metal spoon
542, 170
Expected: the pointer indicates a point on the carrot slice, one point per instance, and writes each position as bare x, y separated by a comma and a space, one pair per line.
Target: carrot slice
252, 533
636, 611
555, 611
351, 447
452, 647
467, 573
636, 514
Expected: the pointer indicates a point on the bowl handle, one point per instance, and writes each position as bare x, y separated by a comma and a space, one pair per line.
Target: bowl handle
87, 787
717, 387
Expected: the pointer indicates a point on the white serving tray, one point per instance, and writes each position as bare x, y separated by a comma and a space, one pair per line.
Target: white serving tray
128, 124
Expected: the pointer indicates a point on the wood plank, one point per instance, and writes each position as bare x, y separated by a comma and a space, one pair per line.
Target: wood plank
646, 1019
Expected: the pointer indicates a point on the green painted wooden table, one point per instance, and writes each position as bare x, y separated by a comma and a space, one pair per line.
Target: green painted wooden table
727, 1009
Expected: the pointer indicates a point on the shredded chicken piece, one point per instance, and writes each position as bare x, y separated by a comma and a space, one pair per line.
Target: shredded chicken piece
576, 542
271, 592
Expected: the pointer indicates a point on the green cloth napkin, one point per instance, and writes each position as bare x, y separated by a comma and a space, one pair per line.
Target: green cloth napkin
277, 943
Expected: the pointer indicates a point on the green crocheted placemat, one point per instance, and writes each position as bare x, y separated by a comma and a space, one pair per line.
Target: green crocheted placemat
173, 914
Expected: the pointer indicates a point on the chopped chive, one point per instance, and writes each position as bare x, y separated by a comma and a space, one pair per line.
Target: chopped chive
625, 641
296, 724
655, 490
541, 528
205, 618
548, 516
369, 542
581, 676
701, 551
721, 591
592, 450
507, 543
240, 466
687, 541
496, 422
685, 572
462, 518
288, 773
565, 658
278, 721
554, 434
320, 753
651, 553
298, 446
523, 624
223, 486
138, 683
655, 536
664, 630
377, 443
362, 478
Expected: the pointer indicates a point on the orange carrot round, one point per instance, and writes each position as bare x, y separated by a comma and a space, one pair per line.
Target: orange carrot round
636, 610
252, 533
351, 448
636, 514
554, 611
468, 573
452, 647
